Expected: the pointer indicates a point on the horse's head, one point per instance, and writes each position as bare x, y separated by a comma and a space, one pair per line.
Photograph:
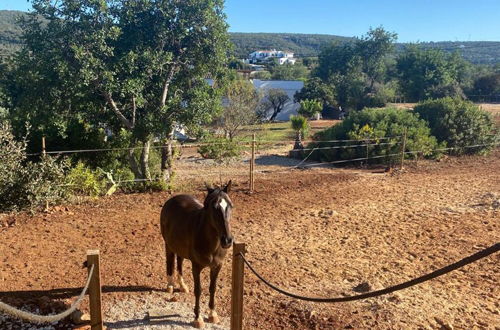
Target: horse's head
219, 206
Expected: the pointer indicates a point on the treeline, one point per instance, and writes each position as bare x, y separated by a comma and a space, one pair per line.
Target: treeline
368, 72
304, 45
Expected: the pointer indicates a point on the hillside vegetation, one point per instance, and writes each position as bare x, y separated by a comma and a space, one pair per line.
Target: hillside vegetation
478, 52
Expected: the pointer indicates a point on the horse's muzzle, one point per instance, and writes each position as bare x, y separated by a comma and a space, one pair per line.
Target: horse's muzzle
226, 242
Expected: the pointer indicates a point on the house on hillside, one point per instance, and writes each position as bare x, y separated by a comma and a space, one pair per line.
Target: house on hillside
261, 56
289, 86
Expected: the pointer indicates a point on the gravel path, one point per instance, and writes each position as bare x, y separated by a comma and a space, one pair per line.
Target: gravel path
155, 312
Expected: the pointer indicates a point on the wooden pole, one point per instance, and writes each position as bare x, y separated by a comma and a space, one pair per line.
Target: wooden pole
43, 155
252, 166
96, 322
237, 287
403, 147
43, 146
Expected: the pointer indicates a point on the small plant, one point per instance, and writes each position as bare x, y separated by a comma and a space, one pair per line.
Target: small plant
219, 149
301, 127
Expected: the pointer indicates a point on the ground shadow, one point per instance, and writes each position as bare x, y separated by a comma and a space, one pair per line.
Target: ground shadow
147, 320
65, 293
276, 160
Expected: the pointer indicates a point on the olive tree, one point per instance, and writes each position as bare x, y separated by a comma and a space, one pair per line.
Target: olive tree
124, 64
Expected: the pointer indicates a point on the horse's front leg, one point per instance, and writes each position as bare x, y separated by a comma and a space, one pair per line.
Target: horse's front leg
198, 320
214, 272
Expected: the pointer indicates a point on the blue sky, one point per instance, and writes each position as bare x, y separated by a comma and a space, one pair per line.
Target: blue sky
413, 20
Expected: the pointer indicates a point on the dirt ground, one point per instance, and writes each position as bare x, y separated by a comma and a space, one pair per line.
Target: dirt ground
318, 232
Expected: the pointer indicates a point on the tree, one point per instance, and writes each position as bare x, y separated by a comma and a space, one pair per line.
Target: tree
373, 49
289, 72
310, 108
357, 69
241, 100
276, 100
429, 73
487, 85
316, 89
137, 65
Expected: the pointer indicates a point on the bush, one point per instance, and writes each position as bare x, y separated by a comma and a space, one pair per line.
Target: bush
300, 124
219, 149
369, 126
458, 123
24, 184
84, 181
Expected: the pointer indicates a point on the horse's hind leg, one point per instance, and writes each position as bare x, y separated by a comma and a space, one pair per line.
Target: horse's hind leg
170, 260
180, 281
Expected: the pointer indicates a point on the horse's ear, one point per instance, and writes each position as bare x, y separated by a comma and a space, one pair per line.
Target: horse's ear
227, 188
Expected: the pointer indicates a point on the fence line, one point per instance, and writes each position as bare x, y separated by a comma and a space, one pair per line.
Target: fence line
348, 146
421, 279
35, 318
373, 157
196, 145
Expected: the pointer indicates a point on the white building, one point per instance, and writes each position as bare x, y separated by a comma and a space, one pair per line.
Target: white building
290, 87
266, 55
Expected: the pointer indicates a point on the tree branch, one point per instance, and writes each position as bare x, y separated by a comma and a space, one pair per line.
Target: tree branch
170, 76
134, 108
117, 111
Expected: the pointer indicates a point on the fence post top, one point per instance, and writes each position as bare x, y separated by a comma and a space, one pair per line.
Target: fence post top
92, 252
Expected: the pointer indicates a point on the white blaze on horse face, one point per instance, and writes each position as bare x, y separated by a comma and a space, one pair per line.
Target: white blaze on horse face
223, 204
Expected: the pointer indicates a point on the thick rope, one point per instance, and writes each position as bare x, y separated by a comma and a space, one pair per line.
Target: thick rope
468, 260
34, 318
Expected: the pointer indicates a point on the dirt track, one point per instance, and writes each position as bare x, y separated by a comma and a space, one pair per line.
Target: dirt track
318, 232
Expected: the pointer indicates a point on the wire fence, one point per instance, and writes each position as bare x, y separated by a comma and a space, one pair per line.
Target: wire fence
387, 148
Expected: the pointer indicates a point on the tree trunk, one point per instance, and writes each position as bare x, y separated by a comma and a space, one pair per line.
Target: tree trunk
298, 141
134, 167
145, 160
167, 158
275, 113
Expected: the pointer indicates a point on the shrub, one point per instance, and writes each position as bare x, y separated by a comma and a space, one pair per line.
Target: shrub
310, 108
459, 123
220, 149
300, 125
25, 184
85, 181
369, 126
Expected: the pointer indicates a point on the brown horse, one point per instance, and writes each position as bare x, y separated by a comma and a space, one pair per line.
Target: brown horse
200, 233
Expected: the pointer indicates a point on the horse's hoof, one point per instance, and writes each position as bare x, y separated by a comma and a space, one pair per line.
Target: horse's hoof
170, 289
199, 324
213, 319
183, 289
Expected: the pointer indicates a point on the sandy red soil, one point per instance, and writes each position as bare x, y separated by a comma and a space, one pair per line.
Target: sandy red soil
319, 232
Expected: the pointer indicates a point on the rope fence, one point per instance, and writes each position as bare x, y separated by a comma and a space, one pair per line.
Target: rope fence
421, 279
34, 318
92, 286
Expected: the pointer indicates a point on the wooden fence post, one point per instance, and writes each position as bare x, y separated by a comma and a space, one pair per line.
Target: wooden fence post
237, 287
252, 165
43, 146
403, 147
96, 322
43, 155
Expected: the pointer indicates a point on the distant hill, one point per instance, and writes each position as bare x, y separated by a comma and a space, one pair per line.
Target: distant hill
479, 52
